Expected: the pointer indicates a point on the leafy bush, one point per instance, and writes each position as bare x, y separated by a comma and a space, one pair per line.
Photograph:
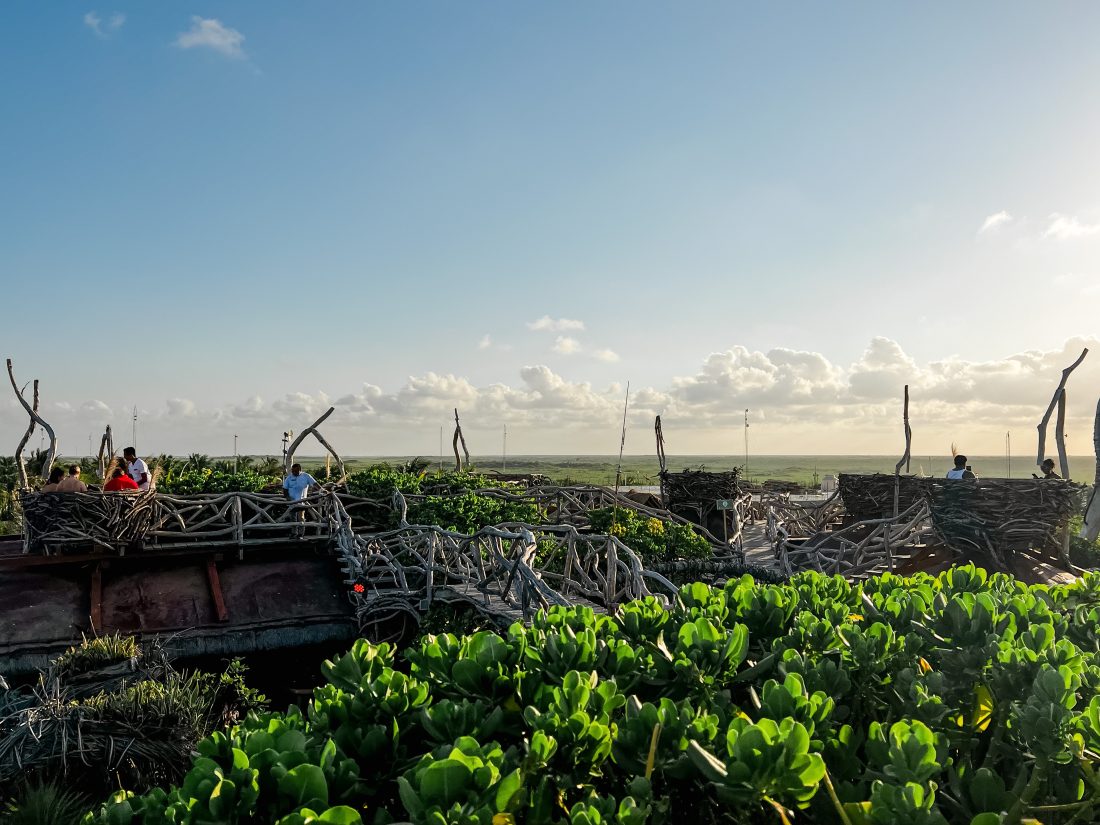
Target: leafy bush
652, 539
953, 699
207, 480
380, 481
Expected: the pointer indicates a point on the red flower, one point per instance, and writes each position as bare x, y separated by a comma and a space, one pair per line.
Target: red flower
358, 588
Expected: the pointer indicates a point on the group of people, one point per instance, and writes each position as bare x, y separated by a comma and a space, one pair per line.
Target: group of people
963, 470
129, 473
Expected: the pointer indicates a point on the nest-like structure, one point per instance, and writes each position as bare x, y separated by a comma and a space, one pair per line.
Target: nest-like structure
56, 521
1001, 514
698, 486
869, 497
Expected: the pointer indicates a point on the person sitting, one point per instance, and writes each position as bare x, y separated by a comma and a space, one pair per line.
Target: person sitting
120, 481
72, 483
51, 485
1048, 469
961, 470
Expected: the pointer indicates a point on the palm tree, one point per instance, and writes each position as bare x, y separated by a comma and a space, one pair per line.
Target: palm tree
269, 466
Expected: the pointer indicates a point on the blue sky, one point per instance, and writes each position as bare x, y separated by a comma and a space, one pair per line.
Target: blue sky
231, 214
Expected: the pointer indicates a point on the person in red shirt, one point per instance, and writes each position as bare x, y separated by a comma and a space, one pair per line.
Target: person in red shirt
119, 481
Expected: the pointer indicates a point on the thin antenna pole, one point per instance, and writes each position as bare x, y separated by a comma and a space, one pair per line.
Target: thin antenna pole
1008, 451
622, 441
234, 452
134, 439
441, 449
504, 452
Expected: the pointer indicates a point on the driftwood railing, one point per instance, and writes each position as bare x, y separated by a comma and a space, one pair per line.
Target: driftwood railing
121, 522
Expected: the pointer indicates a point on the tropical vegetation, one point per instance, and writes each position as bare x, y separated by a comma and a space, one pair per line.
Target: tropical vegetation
961, 698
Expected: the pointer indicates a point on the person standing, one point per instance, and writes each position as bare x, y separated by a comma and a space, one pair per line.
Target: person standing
961, 470
72, 483
297, 486
138, 469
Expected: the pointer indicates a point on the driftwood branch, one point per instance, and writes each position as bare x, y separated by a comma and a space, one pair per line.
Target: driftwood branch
1041, 454
288, 460
33, 413
1060, 435
459, 437
660, 444
19, 464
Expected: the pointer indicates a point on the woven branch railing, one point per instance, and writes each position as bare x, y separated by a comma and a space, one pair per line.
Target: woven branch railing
860, 549
121, 522
508, 572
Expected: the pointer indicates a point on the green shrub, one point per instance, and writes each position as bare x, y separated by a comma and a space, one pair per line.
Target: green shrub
207, 480
469, 512
962, 698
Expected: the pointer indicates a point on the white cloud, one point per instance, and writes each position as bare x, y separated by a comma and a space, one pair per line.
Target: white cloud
485, 342
564, 345
548, 324
607, 355
995, 220
210, 33
800, 401
94, 22
1065, 227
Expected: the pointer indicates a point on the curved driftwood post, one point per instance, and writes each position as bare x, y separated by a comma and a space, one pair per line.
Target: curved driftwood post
1041, 455
454, 444
51, 456
660, 444
19, 465
1090, 530
106, 452
288, 460
908, 452
1060, 435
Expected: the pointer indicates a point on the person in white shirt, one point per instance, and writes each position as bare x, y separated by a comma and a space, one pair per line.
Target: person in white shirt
297, 486
138, 469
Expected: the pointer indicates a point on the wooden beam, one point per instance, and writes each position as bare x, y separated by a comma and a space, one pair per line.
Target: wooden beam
1053, 403
216, 590
96, 599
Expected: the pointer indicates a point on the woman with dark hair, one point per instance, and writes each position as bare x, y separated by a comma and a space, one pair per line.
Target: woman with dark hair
56, 474
120, 481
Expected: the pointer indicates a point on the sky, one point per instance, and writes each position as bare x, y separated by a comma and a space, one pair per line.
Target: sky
234, 215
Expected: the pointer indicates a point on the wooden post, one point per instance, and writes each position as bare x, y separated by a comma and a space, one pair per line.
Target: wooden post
906, 456
96, 600
1090, 530
238, 525
24, 483
1060, 435
51, 456
1041, 454
458, 436
216, 595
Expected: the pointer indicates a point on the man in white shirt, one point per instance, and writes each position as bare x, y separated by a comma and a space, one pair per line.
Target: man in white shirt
297, 486
137, 468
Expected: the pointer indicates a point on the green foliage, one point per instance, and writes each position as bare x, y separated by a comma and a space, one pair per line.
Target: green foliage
469, 512
381, 481
189, 480
963, 698
95, 653
652, 539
